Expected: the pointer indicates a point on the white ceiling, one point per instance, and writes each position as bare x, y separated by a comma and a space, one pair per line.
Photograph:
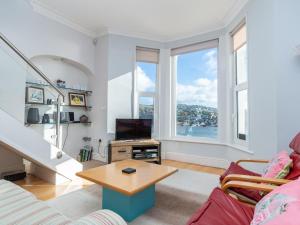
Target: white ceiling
154, 19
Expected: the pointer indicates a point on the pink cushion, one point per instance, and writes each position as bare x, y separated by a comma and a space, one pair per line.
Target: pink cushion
279, 167
295, 170
279, 207
295, 143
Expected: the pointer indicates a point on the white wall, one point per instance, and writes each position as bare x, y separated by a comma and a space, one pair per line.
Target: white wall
35, 35
115, 58
288, 68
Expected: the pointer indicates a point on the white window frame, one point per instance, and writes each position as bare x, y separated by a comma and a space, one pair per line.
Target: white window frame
137, 94
173, 70
238, 88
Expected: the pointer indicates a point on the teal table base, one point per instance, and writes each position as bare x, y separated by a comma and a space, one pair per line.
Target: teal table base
129, 207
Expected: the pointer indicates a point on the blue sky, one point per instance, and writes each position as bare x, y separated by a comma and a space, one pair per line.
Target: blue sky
196, 78
193, 66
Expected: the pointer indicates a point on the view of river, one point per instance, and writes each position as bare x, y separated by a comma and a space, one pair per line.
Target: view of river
197, 131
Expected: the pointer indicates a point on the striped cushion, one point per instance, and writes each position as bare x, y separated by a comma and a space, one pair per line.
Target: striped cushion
103, 217
19, 207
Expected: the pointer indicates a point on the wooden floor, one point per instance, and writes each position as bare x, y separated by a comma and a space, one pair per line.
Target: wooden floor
45, 191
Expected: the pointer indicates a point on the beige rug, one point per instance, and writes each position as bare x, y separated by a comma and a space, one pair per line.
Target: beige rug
177, 198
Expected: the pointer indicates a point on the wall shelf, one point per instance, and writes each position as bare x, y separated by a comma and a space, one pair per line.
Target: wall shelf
63, 105
87, 92
63, 123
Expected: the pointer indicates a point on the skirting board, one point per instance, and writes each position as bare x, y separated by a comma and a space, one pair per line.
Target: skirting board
196, 159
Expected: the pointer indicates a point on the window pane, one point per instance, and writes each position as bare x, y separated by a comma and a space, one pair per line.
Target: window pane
146, 76
242, 104
197, 114
241, 65
146, 108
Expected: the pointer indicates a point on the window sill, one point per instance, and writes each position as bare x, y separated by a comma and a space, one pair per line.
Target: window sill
209, 142
194, 140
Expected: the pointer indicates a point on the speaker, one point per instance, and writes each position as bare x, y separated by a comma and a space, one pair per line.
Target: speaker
71, 116
33, 116
46, 118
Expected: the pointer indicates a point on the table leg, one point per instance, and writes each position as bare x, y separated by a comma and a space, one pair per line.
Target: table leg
129, 207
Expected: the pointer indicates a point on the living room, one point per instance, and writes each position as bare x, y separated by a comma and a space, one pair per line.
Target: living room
149, 112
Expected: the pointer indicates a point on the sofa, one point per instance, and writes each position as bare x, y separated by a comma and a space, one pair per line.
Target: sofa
20, 207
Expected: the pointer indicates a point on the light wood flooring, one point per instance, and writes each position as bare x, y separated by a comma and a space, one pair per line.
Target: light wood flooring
45, 191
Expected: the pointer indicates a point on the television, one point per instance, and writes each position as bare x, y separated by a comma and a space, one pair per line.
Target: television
132, 129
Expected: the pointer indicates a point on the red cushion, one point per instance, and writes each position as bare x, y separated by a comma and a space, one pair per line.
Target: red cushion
221, 209
295, 143
236, 169
295, 170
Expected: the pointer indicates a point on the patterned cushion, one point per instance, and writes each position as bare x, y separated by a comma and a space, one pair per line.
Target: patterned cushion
279, 167
280, 206
103, 217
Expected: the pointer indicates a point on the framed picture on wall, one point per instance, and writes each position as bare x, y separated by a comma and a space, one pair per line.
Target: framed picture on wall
35, 95
77, 99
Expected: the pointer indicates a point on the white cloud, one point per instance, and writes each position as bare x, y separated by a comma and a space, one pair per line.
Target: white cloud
144, 83
202, 92
211, 61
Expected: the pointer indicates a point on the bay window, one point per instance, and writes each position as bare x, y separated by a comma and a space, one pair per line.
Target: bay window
240, 61
195, 92
146, 85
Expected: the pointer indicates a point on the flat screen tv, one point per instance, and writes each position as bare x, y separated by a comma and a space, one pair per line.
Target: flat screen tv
132, 129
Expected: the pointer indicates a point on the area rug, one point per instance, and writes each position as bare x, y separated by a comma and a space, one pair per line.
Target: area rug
177, 198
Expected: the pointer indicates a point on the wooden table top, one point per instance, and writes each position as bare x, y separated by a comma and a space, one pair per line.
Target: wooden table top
111, 175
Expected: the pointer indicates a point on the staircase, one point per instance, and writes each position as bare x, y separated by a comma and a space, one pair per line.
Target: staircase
16, 71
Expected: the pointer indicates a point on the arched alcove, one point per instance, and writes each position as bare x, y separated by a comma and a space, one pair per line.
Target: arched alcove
77, 80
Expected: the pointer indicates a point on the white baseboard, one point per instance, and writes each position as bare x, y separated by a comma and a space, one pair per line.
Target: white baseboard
196, 159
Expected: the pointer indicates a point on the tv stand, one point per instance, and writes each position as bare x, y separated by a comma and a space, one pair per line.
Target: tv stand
148, 150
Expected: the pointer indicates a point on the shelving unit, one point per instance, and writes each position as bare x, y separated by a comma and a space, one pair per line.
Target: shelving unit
145, 150
63, 107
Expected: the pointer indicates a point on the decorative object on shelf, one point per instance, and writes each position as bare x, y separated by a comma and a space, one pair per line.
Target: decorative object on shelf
46, 118
84, 119
77, 99
34, 95
33, 116
50, 101
71, 116
61, 83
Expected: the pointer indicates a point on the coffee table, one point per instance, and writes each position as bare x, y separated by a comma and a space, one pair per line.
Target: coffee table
129, 195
